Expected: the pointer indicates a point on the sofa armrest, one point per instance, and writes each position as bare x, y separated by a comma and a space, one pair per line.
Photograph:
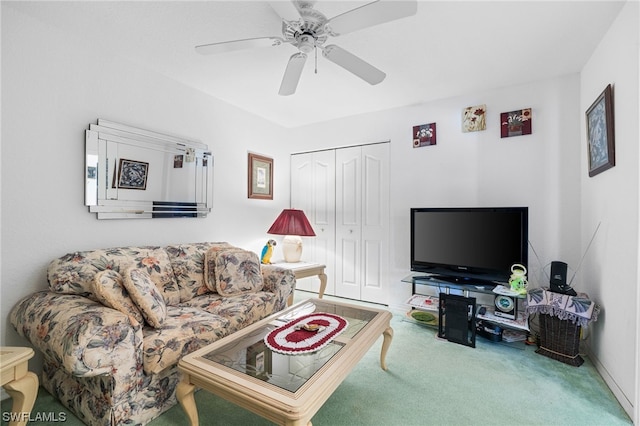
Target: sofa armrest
83, 336
280, 281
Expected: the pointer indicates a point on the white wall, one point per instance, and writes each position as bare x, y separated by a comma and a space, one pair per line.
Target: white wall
53, 86
477, 169
610, 272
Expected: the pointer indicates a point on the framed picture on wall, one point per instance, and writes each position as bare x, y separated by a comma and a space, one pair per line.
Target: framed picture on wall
600, 135
424, 135
133, 174
474, 118
260, 177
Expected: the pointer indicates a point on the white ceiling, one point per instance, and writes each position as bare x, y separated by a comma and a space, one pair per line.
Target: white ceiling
449, 48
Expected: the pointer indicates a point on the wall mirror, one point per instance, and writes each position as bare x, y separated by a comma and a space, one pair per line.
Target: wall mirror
132, 173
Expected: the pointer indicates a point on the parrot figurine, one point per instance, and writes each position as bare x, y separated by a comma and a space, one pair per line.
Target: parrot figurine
267, 252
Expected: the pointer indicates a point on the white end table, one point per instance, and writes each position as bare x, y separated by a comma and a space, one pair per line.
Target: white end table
305, 270
20, 383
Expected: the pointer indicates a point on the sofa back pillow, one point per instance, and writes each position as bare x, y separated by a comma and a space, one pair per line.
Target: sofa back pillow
74, 273
188, 262
146, 296
108, 287
234, 272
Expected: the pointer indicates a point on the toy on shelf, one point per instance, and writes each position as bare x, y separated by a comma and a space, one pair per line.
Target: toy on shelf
518, 280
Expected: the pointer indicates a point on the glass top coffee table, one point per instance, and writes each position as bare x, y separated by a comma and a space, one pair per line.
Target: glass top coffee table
284, 388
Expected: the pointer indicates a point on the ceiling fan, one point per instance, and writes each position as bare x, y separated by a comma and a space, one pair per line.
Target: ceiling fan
308, 29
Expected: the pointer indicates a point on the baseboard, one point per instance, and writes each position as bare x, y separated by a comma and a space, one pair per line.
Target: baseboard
626, 404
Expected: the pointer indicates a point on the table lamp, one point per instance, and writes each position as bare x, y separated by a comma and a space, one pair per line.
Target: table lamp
293, 224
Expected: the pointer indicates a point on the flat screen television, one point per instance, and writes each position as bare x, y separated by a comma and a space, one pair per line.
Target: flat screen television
469, 244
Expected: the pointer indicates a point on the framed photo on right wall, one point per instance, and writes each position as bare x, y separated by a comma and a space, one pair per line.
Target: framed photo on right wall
600, 135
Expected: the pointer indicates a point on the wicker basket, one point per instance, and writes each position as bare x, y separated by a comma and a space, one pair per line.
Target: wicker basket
560, 340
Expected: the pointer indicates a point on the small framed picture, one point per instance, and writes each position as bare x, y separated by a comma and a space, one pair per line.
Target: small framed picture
515, 123
260, 177
178, 160
474, 118
132, 174
424, 135
600, 134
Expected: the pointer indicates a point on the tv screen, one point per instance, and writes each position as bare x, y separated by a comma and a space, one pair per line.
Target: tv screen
469, 243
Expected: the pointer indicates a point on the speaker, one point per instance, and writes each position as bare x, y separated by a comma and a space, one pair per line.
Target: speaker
506, 306
558, 279
558, 274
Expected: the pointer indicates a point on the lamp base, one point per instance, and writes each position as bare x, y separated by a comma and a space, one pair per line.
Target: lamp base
292, 248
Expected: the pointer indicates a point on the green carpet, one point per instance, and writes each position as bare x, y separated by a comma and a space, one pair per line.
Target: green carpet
431, 381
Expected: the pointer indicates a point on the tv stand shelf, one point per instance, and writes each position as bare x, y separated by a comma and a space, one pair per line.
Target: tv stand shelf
467, 286
445, 284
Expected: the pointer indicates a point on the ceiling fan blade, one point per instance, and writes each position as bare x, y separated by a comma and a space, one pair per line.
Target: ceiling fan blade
231, 46
353, 64
371, 14
286, 10
292, 74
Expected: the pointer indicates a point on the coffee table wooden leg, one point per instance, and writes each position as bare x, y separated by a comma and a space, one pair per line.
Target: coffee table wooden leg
388, 336
323, 285
23, 391
184, 393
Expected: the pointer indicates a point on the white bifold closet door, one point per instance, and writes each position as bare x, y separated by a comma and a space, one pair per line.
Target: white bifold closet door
313, 191
362, 222
345, 194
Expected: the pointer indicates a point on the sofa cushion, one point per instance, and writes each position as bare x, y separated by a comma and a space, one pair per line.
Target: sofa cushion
74, 273
187, 261
109, 289
240, 311
185, 330
146, 296
210, 258
234, 271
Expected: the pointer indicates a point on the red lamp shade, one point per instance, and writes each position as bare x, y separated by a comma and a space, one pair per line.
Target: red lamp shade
292, 222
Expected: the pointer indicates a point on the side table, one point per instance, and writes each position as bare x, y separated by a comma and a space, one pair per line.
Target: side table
20, 383
561, 317
305, 270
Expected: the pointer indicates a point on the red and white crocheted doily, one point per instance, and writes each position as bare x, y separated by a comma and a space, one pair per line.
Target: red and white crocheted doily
291, 338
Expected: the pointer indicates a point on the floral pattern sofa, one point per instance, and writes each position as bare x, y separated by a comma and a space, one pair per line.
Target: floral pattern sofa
115, 322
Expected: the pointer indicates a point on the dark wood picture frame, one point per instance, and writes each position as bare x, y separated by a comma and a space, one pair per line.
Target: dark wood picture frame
133, 174
600, 134
260, 177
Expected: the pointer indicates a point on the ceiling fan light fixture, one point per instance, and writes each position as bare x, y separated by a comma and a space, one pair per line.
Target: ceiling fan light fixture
306, 43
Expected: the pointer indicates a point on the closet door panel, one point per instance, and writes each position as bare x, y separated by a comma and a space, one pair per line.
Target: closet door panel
313, 191
348, 222
322, 216
375, 222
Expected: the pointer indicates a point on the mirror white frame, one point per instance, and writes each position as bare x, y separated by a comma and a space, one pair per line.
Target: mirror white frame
132, 173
